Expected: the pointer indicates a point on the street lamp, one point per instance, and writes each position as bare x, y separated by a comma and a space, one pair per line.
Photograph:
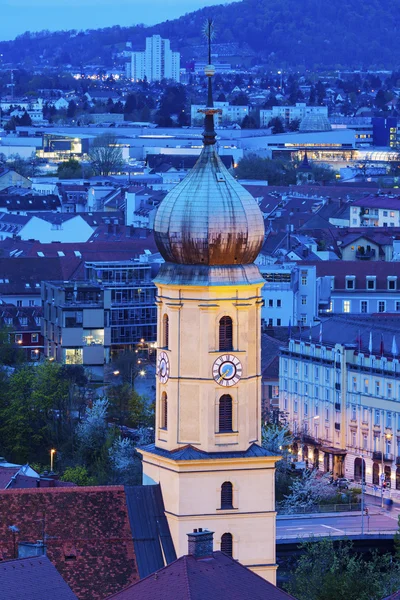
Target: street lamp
386, 436
52, 453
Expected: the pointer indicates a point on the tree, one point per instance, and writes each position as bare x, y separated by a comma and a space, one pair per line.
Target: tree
92, 431
240, 99
125, 462
105, 155
71, 110
307, 491
69, 169
277, 125
126, 406
249, 122
294, 125
78, 475
333, 571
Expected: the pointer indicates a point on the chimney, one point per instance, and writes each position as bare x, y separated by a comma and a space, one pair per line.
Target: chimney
200, 543
28, 549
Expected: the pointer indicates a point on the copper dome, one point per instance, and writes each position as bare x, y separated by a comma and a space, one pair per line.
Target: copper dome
209, 218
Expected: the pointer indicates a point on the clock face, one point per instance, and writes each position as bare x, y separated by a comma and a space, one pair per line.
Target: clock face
227, 370
163, 367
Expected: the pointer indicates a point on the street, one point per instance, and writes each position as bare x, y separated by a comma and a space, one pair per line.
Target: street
335, 525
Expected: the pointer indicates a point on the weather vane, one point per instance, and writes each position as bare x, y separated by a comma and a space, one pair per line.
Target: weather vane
209, 34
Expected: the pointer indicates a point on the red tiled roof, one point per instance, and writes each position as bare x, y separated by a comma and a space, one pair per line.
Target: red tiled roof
216, 577
360, 269
87, 532
5, 475
32, 579
379, 202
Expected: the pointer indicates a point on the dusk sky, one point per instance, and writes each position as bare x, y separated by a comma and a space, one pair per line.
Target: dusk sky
18, 16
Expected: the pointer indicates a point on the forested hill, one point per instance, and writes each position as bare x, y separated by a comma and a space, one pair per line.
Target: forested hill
285, 33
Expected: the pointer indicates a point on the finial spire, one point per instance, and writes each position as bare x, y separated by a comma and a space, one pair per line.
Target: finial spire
209, 134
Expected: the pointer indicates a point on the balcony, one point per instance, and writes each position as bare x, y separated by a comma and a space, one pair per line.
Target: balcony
377, 456
365, 253
388, 457
398, 460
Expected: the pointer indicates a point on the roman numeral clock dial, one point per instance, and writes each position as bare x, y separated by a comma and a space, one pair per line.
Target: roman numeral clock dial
163, 367
227, 370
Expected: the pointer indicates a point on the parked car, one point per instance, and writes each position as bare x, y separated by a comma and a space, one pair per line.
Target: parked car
343, 483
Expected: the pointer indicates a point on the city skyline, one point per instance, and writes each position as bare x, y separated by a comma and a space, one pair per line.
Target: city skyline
19, 16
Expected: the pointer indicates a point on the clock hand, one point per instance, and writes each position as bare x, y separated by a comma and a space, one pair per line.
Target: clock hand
223, 375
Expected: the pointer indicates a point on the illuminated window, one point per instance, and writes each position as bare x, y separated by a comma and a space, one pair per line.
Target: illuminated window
346, 306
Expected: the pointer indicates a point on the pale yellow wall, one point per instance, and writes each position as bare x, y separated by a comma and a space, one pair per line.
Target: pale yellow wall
349, 253
192, 498
193, 395
192, 489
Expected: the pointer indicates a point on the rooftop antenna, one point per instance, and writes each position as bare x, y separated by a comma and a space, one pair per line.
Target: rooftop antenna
209, 134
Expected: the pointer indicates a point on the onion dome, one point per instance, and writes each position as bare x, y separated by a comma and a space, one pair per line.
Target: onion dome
209, 218
315, 122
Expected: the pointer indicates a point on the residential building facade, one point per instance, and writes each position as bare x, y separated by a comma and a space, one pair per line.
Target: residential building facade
229, 113
76, 324
290, 113
343, 407
292, 294
375, 211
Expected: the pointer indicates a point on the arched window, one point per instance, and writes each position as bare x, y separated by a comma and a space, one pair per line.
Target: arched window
225, 334
164, 411
227, 495
165, 331
227, 544
225, 413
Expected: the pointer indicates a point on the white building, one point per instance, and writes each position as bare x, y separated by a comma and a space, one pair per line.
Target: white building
376, 211
229, 113
290, 113
292, 293
157, 61
342, 401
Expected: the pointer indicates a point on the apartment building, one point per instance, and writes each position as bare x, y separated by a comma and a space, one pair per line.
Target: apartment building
228, 114
293, 294
342, 400
376, 211
76, 324
156, 62
291, 113
362, 286
133, 311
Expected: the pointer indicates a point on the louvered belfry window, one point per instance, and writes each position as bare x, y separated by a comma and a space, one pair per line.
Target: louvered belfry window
164, 411
227, 544
225, 413
227, 495
165, 331
225, 334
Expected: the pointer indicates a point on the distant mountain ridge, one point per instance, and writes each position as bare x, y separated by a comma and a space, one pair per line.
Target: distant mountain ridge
284, 33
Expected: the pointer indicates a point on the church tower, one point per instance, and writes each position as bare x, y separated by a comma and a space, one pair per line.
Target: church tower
207, 454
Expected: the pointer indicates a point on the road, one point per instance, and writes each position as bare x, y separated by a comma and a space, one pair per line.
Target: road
337, 525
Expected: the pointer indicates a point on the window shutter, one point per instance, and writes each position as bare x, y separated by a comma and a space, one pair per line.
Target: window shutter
164, 411
225, 334
166, 331
227, 544
227, 495
225, 413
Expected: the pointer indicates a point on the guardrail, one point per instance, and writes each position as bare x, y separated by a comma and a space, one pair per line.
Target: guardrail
321, 508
